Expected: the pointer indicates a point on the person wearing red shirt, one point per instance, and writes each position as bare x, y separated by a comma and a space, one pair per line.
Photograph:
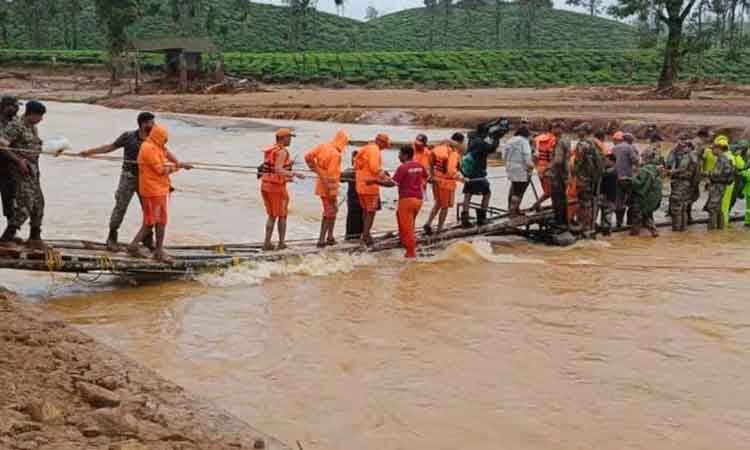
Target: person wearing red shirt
410, 177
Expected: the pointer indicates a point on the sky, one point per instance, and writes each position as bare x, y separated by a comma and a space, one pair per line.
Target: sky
356, 8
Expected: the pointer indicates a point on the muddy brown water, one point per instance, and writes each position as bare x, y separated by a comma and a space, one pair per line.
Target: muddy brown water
623, 343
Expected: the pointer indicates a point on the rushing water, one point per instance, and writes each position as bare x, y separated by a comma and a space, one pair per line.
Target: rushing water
624, 343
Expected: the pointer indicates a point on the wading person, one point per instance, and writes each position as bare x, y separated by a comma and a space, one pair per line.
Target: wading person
422, 153
544, 146
130, 142
558, 174
646, 195
588, 170
608, 194
743, 179
8, 112
519, 165
276, 174
325, 161
409, 177
730, 198
353, 208
701, 146
720, 176
369, 166
474, 169
682, 166
21, 134
627, 158
444, 172
154, 169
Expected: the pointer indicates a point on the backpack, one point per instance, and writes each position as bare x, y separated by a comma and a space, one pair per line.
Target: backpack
467, 167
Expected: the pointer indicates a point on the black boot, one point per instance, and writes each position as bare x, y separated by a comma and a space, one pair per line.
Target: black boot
35, 238
465, 222
148, 240
112, 245
481, 217
9, 235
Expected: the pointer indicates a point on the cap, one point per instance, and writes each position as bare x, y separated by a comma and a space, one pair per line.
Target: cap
584, 127
284, 132
422, 138
618, 136
721, 141
35, 107
384, 139
8, 101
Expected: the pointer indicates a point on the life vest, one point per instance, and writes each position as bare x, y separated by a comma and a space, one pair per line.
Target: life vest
267, 170
545, 146
440, 159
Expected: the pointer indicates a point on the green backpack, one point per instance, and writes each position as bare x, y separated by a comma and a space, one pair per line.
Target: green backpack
468, 165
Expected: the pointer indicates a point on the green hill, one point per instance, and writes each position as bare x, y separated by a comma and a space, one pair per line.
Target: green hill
248, 27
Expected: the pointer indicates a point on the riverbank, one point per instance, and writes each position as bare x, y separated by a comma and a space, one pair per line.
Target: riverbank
721, 107
61, 390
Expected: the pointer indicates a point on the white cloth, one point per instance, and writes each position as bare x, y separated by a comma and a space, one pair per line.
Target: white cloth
517, 155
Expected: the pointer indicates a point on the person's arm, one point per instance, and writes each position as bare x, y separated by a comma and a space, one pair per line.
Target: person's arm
108, 148
5, 143
528, 159
311, 159
279, 168
173, 159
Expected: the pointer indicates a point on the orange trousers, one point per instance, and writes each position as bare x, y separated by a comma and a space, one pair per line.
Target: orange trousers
408, 209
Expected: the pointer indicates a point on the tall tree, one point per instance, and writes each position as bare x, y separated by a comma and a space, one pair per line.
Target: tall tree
673, 14
117, 16
299, 10
594, 7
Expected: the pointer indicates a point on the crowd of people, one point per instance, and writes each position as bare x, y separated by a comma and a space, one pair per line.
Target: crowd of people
593, 185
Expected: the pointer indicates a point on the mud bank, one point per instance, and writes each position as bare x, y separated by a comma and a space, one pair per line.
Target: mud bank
61, 390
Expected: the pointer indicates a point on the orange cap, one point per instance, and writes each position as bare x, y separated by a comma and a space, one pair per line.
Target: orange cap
618, 136
284, 132
384, 139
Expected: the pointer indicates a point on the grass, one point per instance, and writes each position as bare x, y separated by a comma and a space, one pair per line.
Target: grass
453, 69
263, 28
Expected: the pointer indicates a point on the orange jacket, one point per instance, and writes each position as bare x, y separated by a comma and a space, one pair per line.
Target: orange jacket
272, 182
545, 146
368, 164
445, 163
152, 158
423, 157
327, 158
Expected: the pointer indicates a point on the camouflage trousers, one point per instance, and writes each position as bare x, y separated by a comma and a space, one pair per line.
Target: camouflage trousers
29, 199
607, 211
639, 219
679, 202
126, 189
713, 206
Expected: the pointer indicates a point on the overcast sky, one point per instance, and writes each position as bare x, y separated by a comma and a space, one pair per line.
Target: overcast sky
356, 8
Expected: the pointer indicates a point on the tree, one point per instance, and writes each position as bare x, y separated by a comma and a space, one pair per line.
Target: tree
299, 10
340, 5
594, 7
447, 6
117, 16
673, 14
498, 22
431, 6
371, 13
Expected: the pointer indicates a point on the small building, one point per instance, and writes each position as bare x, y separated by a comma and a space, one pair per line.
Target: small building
183, 57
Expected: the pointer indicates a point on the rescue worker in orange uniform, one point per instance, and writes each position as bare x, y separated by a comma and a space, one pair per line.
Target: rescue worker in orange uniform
277, 173
325, 161
422, 151
444, 172
544, 146
410, 177
368, 166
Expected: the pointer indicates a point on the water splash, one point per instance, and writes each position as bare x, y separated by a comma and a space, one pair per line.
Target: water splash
478, 251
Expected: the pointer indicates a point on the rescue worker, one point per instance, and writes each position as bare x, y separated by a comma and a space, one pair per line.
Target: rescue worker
600, 140
444, 172
588, 171
325, 161
646, 192
422, 151
409, 177
729, 198
22, 139
277, 173
740, 152
743, 148
682, 166
608, 193
369, 166
720, 176
558, 175
154, 186
474, 170
353, 208
626, 156
130, 142
519, 165
8, 112
701, 145
544, 146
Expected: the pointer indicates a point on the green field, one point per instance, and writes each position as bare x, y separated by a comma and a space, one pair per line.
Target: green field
259, 28
503, 68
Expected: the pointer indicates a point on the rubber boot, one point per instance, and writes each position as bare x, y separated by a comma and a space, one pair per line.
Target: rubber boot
148, 240
481, 217
465, 221
112, 245
35, 238
9, 235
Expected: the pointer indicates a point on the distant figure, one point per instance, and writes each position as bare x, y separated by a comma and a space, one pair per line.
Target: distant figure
558, 174
519, 165
721, 176
608, 194
646, 195
444, 172
325, 161
626, 161
544, 146
154, 169
682, 166
422, 153
588, 170
22, 135
277, 173
409, 177
600, 140
369, 166
354, 223
474, 169
8, 112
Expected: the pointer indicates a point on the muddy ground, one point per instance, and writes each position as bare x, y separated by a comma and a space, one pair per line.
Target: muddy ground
60, 390
719, 107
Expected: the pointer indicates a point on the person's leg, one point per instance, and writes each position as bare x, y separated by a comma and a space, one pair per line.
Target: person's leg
676, 208
433, 213
648, 222
442, 216
405, 217
368, 220
126, 188
747, 209
270, 225
726, 202
37, 216
560, 203
482, 213
159, 254
465, 215
282, 233
323, 232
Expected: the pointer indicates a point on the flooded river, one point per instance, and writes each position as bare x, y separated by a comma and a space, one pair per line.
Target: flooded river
623, 343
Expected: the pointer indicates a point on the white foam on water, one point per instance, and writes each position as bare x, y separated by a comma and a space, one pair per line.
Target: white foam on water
319, 265
479, 250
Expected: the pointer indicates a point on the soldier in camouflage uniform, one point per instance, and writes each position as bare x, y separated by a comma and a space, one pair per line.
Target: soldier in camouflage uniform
588, 170
682, 165
721, 176
21, 134
8, 111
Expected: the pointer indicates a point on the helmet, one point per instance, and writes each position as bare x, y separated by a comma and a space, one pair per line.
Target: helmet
721, 141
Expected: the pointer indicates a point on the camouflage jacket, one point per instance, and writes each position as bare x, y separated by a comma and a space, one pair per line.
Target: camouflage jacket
723, 172
23, 137
589, 164
683, 163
